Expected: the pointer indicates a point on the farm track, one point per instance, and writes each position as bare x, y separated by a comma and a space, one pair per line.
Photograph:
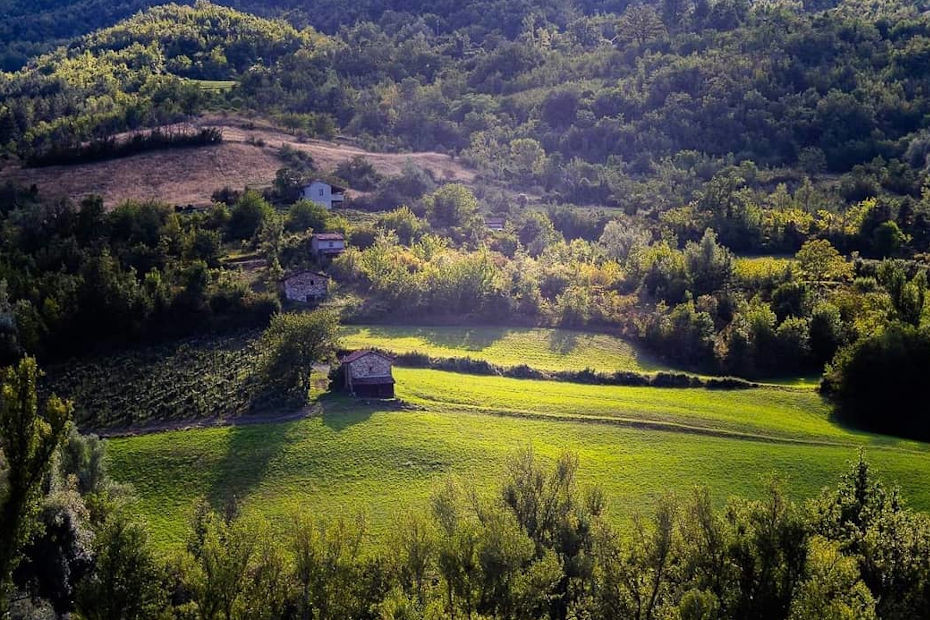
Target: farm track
400, 406
649, 425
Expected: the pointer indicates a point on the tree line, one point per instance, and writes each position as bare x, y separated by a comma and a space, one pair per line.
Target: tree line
112, 148
79, 277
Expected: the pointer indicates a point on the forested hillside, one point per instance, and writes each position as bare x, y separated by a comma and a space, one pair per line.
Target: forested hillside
642, 231
819, 90
635, 155
29, 27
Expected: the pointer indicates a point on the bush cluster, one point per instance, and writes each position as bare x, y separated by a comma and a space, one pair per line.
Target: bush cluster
467, 365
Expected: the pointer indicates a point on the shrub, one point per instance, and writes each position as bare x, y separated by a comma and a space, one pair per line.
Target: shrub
247, 215
291, 345
306, 215
819, 260
359, 172
879, 383
111, 148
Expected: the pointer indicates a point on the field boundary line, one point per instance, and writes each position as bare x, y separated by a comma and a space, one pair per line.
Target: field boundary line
656, 425
315, 410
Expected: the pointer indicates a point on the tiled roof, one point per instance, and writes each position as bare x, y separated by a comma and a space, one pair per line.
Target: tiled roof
356, 355
335, 188
300, 273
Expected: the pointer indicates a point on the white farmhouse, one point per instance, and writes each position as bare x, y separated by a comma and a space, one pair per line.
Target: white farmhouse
323, 193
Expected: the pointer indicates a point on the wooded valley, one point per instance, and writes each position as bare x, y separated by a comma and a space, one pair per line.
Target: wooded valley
651, 275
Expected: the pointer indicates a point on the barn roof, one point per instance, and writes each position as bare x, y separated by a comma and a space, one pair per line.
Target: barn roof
357, 355
329, 236
305, 271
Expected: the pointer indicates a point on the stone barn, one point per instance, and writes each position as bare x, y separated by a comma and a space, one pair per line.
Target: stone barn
494, 223
306, 286
368, 373
326, 246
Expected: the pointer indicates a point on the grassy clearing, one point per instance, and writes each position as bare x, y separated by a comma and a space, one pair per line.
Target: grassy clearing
764, 412
545, 349
540, 348
809, 382
356, 457
756, 272
764, 264
214, 85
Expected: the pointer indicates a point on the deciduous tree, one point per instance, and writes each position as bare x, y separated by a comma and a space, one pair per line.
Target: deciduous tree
30, 432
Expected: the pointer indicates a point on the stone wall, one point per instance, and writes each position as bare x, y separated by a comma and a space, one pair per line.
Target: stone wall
306, 286
369, 366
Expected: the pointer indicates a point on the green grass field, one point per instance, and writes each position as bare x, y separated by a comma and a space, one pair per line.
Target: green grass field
764, 412
541, 348
637, 443
214, 85
545, 349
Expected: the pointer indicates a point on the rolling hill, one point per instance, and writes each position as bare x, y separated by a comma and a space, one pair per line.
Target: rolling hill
344, 456
353, 457
247, 157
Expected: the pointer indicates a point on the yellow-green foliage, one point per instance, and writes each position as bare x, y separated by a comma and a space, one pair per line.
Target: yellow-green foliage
361, 457
762, 271
128, 73
541, 348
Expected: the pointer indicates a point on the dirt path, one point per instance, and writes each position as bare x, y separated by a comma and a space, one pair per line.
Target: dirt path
632, 423
186, 425
248, 156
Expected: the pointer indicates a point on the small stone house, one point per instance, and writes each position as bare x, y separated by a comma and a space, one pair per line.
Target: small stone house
323, 193
327, 245
306, 286
368, 373
494, 223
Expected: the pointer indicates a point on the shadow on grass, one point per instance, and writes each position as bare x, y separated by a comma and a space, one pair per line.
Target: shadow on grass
251, 448
649, 362
248, 453
340, 411
874, 437
563, 341
467, 338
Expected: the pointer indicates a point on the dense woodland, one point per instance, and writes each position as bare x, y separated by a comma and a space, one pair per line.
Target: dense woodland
741, 187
